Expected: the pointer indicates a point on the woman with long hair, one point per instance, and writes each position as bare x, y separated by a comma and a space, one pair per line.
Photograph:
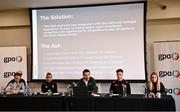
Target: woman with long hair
154, 85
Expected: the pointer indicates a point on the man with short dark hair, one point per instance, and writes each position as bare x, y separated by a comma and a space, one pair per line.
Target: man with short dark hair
49, 85
16, 85
88, 82
117, 85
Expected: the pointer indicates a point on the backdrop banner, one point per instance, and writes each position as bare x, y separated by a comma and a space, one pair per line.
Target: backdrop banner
12, 59
167, 65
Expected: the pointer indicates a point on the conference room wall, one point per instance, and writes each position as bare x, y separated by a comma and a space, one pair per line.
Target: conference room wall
161, 25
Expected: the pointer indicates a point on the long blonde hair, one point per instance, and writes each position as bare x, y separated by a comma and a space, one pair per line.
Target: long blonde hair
150, 83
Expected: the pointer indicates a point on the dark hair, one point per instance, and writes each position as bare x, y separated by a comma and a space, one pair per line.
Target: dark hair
85, 70
18, 74
48, 74
119, 70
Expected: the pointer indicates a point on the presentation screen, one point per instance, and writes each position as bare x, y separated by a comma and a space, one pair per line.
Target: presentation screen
101, 38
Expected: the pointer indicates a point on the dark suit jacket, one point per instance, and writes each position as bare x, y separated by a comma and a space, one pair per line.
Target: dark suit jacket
91, 86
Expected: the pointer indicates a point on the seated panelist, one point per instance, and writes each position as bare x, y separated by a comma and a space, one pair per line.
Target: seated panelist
117, 85
16, 85
154, 85
87, 82
49, 84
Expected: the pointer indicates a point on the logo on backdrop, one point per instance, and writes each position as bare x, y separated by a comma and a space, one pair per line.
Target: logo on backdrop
175, 91
173, 56
174, 73
8, 74
13, 59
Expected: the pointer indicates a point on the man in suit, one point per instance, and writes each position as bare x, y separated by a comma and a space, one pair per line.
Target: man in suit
88, 82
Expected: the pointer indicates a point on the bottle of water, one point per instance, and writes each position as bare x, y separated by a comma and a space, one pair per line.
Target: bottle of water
49, 92
124, 90
2, 91
29, 90
145, 92
110, 93
69, 90
74, 85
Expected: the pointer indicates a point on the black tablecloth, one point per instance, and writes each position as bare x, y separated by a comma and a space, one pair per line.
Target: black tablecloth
31, 103
132, 102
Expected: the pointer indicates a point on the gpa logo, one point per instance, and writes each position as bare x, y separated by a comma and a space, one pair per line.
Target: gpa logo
173, 56
8, 74
19, 58
9, 59
174, 73
175, 91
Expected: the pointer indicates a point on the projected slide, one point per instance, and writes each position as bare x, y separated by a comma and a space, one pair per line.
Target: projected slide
100, 38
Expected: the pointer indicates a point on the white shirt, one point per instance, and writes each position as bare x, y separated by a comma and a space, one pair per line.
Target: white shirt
86, 82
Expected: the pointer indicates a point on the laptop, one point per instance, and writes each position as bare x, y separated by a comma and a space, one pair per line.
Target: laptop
80, 91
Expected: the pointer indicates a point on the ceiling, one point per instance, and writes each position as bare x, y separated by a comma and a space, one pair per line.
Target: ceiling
23, 4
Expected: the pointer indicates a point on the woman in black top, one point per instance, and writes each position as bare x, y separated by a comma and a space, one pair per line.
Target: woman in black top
155, 86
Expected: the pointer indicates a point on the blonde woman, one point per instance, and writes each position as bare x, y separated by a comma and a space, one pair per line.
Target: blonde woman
155, 86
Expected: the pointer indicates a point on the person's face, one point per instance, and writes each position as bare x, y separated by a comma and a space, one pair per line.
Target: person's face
17, 78
86, 76
154, 78
49, 78
119, 75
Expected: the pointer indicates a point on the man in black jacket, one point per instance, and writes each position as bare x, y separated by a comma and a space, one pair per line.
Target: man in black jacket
117, 85
88, 82
49, 85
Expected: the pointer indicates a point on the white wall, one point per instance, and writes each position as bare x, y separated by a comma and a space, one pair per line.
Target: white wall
155, 12
161, 25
